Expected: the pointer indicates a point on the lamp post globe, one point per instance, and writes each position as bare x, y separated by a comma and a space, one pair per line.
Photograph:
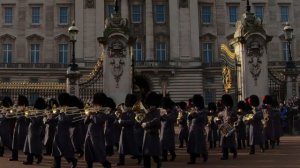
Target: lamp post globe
73, 31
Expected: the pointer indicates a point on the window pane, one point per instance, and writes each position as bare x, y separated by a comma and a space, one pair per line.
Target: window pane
35, 53
232, 14
285, 51
109, 10
259, 11
63, 15
206, 14
161, 52
160, 13
7, 53
136, 13
137, 50
207, 53
63, 53
36, 15
284, 12
209, 95
8, 15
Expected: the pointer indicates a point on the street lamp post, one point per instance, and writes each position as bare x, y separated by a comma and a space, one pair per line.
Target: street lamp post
73, 31
73, 73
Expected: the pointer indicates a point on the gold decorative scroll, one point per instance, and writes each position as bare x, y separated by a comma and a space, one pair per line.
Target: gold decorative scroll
227, 78
227, 51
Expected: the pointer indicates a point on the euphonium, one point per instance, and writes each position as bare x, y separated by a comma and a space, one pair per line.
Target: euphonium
120, 110
248, 117
140, 111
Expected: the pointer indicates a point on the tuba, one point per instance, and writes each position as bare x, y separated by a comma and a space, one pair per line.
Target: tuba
140, 111
120, 110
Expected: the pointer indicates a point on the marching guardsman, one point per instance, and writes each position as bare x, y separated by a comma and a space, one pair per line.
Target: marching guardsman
151, 125
50, 124
183, 125
5, 125
167, 131
268, 122
212, 126
21, 127
33, 146
62, 143
228, 117
277, 122
94, 145
127, 144
77, 129
197, 137
240, 125
255, 125
110, 135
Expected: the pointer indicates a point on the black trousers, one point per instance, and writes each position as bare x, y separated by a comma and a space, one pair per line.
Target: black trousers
147, 161
15, 154
57, 161
105, 164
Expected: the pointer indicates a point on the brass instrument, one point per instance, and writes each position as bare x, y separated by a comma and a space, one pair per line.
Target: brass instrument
248, 117
140, 111
120, 110
226, 129
162, 111
180, 114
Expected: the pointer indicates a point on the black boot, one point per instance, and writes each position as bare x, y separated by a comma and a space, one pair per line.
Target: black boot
164, 155
89, 164
106, 164
252, 150
147, 161
1, 151
29, 159
225, 154
205, 157
121, 160
192, 159
74, 163
39, 159
244, 143
262, 150
266, 144
234, 151
14, 155
173, 155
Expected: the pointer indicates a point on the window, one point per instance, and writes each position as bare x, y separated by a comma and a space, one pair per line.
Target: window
232, 14
8, 15
136, 14
35, 17
138, 52
206, 14
109, 10
285, 51
160, 12
209, 95
259, 11
63, 53
161, 52
63, 15
284, 13
7, 53
207, 52
35, 53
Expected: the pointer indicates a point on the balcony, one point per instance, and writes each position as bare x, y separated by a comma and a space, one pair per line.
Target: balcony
33, 66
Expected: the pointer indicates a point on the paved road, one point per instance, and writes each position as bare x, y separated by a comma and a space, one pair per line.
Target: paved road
287, 155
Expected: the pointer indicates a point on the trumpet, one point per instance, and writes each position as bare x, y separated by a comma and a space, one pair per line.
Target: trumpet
248, 117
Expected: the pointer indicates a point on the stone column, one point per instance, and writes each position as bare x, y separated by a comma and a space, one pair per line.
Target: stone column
194, 29
174, 29
124, 9
79, 9
149, 31
100, 19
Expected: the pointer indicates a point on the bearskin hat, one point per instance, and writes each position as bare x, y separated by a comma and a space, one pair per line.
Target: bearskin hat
99, 99
254, 100
267, 99
40, 103
241, 105
152, 99
74, 101
22, 101
212, 106
198, 101
227, 100
110, 103
64, 99
167, 103
130, 100
7, 102
182, 105
51, 103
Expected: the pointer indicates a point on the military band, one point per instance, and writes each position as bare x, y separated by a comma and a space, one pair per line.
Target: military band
142, 129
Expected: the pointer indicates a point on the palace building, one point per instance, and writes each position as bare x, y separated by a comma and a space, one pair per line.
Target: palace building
177, 50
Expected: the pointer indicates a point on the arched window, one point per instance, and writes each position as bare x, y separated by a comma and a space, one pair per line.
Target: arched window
7, 48
62, 49
35, 46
